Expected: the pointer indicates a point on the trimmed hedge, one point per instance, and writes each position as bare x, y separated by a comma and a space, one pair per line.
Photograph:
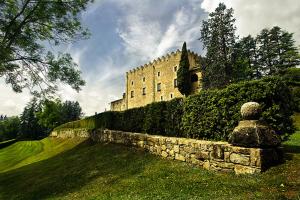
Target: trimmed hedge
162, 118
211, 114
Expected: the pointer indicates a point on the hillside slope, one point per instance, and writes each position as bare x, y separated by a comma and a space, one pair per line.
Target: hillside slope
80, 169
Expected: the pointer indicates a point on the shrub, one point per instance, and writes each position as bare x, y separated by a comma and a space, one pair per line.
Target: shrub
292, 76
213, 114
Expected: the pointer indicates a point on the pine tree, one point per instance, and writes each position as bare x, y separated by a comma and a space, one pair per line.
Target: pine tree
183, 73
276, 51
244, 58
218, 37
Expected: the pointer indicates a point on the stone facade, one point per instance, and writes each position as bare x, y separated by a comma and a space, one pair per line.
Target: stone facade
211, 155
156, 81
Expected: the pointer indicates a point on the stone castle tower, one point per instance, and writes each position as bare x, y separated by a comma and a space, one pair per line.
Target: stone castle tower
157, 81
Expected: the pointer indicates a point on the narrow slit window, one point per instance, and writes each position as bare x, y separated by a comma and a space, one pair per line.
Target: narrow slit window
175, 83
144, 91
158, 87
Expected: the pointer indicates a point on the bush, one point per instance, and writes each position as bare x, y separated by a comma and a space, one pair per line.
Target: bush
292, 76
213, 114
162, 118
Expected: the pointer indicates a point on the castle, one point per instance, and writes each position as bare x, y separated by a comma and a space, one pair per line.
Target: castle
157, 81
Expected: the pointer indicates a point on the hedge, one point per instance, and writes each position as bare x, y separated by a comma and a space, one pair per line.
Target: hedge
211, 114
162, 118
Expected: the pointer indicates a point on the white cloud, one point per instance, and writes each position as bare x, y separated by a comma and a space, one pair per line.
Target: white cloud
150, 38
252, 16
12, 103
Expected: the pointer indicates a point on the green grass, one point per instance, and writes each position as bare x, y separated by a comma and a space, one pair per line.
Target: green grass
80, 169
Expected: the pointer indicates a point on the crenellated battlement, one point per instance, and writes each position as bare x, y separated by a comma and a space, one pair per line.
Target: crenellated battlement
143, 82
160, 60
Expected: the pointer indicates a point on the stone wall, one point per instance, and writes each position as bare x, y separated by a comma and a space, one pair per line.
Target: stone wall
211, 155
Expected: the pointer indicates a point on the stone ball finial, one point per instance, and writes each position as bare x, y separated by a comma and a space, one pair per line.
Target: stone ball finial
250, 111
252, 132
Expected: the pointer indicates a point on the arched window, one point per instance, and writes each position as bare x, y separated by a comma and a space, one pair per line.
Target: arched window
194, 78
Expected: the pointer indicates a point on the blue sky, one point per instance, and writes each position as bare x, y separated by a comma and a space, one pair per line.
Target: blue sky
129, 33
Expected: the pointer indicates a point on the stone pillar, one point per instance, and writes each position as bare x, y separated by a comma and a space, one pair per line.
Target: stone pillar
254, 133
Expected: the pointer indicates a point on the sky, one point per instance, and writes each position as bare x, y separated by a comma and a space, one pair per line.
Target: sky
129, 33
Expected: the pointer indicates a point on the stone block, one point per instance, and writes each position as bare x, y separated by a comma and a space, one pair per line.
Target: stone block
163, 147
218, 152
194, 161
171, 152
255, 157
164, 154
162, 141
227, 156
239, 159
176, 148
241, 150
206, 165
202, 155
179, 157
240, 169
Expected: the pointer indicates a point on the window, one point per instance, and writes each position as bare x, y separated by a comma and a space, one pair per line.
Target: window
175, 83
132, 94
158, 87
131, 82
171, 96
158, 73
144, 79
194, 78
175, 69
144, 91
161, 98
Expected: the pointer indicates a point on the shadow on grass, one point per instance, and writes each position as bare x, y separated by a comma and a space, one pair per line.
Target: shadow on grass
69, 171
7, 143
291, 148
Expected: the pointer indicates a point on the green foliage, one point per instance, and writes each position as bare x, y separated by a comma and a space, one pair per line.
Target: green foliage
39, 118
292, 76
244, 60
25, 26
276, 50
213, 114
162, 118
218, 37
30, 126
183, 73
55, 113
154, 119
9, 128
173, 117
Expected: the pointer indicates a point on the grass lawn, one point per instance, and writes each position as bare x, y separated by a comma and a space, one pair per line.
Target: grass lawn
80, 169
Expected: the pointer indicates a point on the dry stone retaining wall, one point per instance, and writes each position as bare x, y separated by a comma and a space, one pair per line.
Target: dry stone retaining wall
212, 155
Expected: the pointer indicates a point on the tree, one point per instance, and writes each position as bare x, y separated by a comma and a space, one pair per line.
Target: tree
244, 60
30, 127
55, 113
183, 73
9, 128
50, 114
276, 51
218, 37
70, 111
25, 26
